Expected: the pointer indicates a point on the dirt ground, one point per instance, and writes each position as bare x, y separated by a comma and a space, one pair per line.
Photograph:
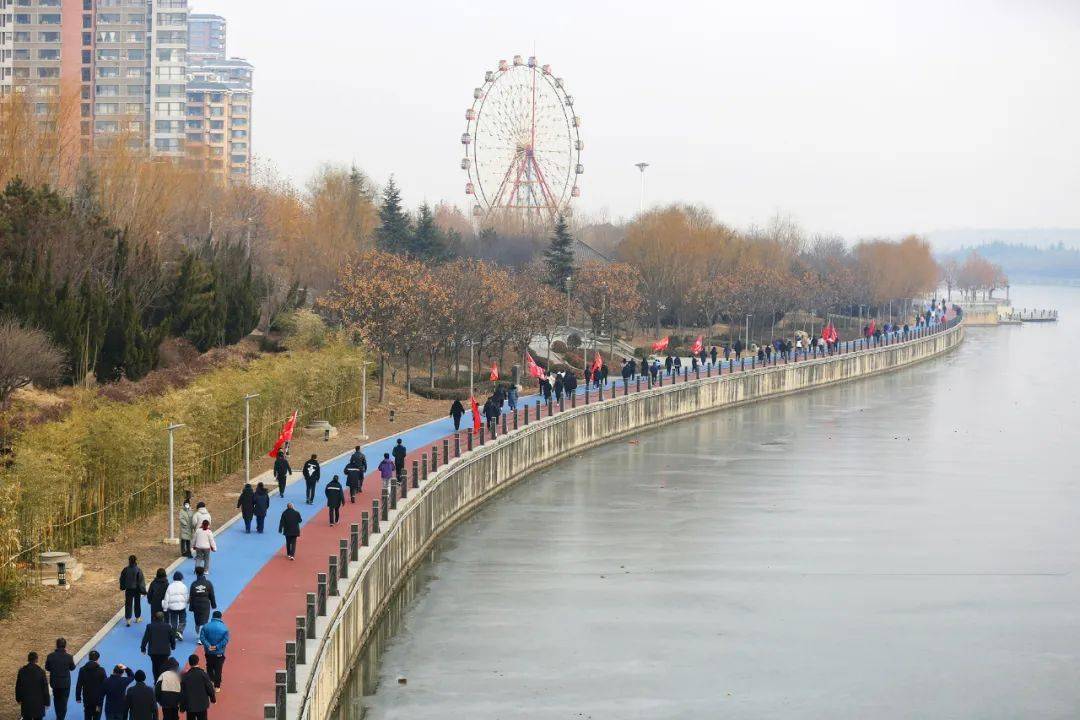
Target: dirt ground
79, 612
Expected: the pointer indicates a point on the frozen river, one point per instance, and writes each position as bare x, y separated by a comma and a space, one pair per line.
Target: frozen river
899, 547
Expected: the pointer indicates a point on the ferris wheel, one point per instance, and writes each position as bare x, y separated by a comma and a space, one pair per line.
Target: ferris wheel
522, 145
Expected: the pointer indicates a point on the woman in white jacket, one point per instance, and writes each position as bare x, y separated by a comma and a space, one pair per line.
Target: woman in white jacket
176, 604
201, 514
203, 542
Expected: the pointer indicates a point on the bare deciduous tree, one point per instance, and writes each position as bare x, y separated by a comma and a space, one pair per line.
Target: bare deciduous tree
26, 356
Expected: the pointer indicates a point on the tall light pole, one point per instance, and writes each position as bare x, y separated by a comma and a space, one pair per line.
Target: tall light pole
247, 436
748, 316
568, 279
363, 399
641, 203
472, 344
172, 489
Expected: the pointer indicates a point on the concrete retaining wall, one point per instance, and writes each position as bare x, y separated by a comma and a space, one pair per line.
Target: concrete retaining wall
461, 486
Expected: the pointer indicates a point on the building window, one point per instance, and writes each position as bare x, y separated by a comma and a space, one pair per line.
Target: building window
49, 37
49, 19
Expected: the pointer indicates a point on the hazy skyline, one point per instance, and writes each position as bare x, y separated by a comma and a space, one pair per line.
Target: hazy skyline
856, 118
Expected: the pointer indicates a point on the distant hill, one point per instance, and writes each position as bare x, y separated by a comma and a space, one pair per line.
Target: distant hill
946, 241
1027, 263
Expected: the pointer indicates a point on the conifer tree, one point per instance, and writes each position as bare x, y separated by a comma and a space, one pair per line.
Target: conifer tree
394, 233
559, 257
429, 241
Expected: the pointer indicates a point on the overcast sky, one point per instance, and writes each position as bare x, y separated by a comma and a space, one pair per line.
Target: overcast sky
856, 117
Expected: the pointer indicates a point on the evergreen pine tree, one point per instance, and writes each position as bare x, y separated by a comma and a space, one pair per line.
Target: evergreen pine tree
559, 257
428, 240
394, 233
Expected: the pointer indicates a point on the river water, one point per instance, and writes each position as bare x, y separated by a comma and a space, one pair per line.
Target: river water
899, 547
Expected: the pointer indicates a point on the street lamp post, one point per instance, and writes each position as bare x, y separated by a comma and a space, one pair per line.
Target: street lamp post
363, 400
472, 344
568, 278
641, 203
172, 540
748, 316
247, 435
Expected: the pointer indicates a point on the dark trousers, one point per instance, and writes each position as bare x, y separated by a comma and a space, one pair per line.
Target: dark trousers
247, 523
196, 715
311, 490
457, 423
335, 514
132, 604
185, 548
290, 545
158, 662
177, 620
353, 491
214, 666
91, 711
170, 713
60, 701
259, 521
280, 487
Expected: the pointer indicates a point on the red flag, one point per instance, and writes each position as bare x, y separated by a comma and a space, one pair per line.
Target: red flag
698, 345
286, 435
872, 326
661, 345
475, 416
597, 363
534, 370
494, 371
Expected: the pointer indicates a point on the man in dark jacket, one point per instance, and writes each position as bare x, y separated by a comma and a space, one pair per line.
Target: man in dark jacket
289, 526
399, 452
570, 383
31, 689
59, 665
158, 641
355, 470
113, 692
88, 686
335, 496
311, 472
167, 691
281, 472
456, 411
201, 600
133, 583
491, 413
139, 702
156, 592
196, 690
262, 506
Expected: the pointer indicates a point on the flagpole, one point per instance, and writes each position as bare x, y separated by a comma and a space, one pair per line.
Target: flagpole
471, 346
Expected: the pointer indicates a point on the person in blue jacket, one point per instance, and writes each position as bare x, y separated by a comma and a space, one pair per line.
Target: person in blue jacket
114, 691
214, 637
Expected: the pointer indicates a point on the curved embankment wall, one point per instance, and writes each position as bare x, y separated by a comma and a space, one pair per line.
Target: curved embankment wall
460, 486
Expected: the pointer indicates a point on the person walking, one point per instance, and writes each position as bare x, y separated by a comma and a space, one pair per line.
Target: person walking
59, 665
491, 414
32, 689
114, 691
545, 389
155, 593
158, 641
88, 686
201, 600
399, 452
214, 637
196, 691
204, 544
262, 506
133, 583
712, 354
187, 526
281, 472
669, 362
139, 701
386, 470
511, 398
557, 387
311, 472
569, 384
335, 497
201, 515
355, 470
167, 691
176, 604
289, 526
737, 346
603, 374
246, 505
456, 411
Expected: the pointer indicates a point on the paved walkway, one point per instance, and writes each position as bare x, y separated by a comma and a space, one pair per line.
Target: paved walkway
261, 592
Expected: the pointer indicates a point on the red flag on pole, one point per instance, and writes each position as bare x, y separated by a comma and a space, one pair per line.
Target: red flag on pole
286, 435
475, 416
873, 325
661, 345
534, 370
494, 370
698, 345
597, 363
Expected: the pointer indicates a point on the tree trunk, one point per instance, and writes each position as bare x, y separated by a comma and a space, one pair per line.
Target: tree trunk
382, 377
408, 373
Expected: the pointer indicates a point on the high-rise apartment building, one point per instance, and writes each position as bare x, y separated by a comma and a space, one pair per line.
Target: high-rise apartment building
120, 69
206, 37
168, 78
